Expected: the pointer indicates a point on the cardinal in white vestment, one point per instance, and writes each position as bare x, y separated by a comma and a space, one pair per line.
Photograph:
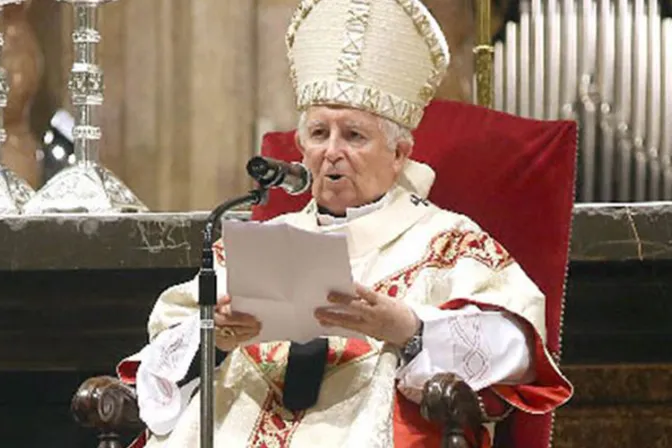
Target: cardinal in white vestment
435, 293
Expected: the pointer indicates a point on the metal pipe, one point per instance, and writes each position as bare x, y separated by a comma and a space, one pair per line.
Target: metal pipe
569, 78
653, 113
484, 56
538, 62
639, 82
511, 68
499, 78
524, 67
553, 58
666, 115
606, 68
624, 96
207, 376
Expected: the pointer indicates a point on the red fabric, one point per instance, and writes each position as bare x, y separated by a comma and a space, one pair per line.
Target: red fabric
513, 176
140, 441
493, 404
127, 371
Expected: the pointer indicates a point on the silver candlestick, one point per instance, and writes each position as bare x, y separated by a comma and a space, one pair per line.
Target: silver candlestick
14, 191
86, 186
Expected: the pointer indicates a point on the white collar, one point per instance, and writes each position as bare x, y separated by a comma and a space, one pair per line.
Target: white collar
353, 212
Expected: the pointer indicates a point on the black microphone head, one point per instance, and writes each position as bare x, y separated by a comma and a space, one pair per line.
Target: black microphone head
264, 172
292, 177
257, 167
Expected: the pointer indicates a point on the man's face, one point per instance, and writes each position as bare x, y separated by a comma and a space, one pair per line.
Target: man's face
347, 153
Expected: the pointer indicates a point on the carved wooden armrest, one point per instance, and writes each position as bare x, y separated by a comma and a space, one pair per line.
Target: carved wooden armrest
450, 402
108, 406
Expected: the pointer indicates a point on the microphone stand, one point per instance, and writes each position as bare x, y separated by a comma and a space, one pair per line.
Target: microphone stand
207, 299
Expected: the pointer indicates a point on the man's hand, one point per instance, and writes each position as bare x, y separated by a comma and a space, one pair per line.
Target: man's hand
373, 314
228, 323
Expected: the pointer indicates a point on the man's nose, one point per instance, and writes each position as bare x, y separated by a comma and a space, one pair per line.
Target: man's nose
334, 149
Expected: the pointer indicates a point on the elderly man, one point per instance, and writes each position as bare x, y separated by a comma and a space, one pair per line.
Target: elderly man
435, 293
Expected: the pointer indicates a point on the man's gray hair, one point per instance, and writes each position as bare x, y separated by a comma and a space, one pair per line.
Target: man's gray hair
394, 132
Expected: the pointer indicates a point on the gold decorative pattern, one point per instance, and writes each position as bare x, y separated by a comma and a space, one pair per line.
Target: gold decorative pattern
298, 17
373, 100
355, 31
439, 58
275, 425
271, 358
485, 91
484, 54
444, 251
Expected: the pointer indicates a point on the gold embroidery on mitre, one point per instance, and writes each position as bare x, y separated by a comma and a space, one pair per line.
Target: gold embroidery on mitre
362, 97
355, 29
438, 57
371, 98
298, 17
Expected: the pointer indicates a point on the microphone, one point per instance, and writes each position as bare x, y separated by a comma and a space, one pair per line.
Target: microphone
293, 177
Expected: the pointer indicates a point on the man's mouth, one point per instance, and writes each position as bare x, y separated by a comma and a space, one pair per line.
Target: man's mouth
334, 176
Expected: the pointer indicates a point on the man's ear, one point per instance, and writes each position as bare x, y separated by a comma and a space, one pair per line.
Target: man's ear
402, 153
297, 140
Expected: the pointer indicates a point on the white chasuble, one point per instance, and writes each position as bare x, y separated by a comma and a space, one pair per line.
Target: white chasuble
408, 249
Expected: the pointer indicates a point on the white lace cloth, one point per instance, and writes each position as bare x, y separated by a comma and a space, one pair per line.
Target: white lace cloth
164, 362
482, 347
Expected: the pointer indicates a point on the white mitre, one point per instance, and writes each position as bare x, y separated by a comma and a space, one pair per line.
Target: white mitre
387, 57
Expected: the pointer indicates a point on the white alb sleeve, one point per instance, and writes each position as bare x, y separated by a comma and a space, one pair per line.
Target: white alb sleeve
481, 347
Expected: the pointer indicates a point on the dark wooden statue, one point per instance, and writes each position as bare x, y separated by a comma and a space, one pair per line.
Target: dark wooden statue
109, 406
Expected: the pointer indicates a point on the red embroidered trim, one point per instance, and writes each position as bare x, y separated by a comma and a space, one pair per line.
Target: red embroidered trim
353, 350
271, 360
271, 357
275, 425
444, 251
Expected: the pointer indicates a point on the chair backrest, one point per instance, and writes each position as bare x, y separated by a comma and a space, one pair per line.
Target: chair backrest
514, 177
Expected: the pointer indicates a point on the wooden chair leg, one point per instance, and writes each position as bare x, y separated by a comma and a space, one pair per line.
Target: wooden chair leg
109, 440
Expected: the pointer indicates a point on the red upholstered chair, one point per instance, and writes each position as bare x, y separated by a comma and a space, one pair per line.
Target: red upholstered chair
513, 176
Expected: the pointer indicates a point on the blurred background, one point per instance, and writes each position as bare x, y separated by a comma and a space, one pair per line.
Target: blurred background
191, 86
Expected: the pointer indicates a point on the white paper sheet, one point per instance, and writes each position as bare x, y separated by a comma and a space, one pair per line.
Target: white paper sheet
280, 274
